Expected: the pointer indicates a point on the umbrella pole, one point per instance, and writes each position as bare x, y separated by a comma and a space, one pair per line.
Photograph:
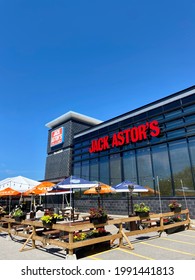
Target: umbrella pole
98, 201
128, 199
72, 206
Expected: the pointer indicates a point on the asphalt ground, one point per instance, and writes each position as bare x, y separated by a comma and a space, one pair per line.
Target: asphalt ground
176, 246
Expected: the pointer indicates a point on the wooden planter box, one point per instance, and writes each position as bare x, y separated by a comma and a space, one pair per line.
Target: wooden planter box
175, 229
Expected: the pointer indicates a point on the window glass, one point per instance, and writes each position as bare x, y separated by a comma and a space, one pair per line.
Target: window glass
144, 166
188, 99
180, 165
104, 170
173, 114
175, 133
155, 111
172, 105
94, 176
190, 119
192, 155
174, 124
77, 158
85, 170
190, 129
129, 166
76, 152
77, 169
115, 169
162, 172
78, 145
86, 143
189, 109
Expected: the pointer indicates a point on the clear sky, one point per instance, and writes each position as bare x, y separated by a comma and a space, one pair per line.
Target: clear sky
98, 58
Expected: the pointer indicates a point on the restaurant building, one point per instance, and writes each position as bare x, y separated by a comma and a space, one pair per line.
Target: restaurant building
153, 146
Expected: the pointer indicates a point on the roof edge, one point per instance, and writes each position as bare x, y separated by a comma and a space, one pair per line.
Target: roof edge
72, 115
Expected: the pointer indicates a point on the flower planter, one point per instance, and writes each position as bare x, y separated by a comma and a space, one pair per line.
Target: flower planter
142, 214
47, 225
100, 220
176, 209
19, 218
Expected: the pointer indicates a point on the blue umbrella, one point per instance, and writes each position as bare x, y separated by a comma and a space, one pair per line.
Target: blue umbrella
128, 186
74, 182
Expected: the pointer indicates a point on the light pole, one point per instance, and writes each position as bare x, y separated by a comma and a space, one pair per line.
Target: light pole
130, 188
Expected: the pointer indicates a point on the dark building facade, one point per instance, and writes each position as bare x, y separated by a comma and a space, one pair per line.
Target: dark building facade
152, 146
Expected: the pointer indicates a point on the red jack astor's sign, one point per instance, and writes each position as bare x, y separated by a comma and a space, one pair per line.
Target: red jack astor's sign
126, 136
57, 137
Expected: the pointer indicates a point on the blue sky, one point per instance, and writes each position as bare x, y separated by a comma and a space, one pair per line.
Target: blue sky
98, 58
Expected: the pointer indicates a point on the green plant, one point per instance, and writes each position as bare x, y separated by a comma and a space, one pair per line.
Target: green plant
141, 207
57, 216
47, 219
97, 212
18, 213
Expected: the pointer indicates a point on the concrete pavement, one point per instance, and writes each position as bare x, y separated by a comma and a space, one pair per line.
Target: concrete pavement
177, 246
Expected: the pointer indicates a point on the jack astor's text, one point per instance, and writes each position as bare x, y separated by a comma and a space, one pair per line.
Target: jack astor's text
134, 134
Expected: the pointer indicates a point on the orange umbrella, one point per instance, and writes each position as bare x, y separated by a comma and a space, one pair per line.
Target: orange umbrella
100, 190
40, 189
9, 192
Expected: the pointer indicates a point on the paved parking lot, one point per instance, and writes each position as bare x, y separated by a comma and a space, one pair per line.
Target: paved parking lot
177, 246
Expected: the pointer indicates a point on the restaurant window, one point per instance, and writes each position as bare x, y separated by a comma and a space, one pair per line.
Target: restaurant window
115, 169
94, 174
162, 172
85, 170
129, 166
104, 170
192, 156
77, 169
174, 124
180, 165
144, 167
173, 114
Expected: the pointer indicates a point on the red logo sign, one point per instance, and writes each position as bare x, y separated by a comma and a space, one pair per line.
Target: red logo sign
125, 137
57, 137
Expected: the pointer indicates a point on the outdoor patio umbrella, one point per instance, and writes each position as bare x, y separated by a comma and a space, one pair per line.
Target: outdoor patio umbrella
100, 189
41, 188
75, 183
9, 192
130, 187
